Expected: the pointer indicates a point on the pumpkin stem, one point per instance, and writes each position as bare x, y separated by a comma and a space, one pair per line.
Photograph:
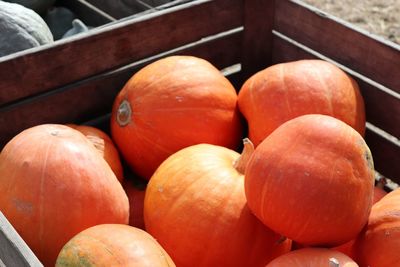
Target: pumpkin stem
124, 113
241, 162
333, 262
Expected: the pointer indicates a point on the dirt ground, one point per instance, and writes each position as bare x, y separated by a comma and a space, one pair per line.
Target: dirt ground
380, 17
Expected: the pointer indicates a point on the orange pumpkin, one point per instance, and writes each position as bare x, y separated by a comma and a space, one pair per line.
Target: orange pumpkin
313, 257
135, 192
54, 184
103, 143
379, 244
196, 208
113, 245
170, 104
284, 91
310, 176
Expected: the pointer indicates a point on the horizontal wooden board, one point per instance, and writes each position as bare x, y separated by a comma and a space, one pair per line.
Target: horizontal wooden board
373, 57
92, 97
385, 153
13, 250
39, 70
382, 105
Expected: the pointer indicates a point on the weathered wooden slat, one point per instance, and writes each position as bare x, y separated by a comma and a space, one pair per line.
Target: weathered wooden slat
385, 153
382, 105
13, 249
38, 70
90, 98
119, 8
369, 55
257, 45
88, 13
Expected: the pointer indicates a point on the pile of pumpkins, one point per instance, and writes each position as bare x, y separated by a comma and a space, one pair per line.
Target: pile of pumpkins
300, 193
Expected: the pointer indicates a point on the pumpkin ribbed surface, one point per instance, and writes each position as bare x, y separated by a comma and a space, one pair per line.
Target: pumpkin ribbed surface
309, 177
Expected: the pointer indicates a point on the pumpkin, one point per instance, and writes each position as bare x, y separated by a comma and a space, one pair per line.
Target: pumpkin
196, 208
135, 190
53, 185
308, 177
170, 104
21, 28
104, 145
379, 244
313, 257
113, 245
284, 91
39, 6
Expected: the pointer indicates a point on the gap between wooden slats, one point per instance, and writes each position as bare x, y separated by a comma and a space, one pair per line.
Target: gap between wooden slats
91, 97
369, 55
41, 69
382, 104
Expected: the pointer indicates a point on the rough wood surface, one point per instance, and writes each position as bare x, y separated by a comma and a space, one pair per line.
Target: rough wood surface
257, 45
13, 250
375, 58
30, 73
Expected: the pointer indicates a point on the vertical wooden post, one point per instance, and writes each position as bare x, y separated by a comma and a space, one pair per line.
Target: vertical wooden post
257, 36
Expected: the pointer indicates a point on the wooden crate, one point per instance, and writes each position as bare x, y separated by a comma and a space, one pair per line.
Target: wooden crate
76, 80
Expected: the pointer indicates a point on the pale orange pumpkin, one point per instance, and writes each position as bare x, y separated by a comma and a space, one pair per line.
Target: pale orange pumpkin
313, 257
379, 244
113, 245
103, 143
170, 104
309, 177
53, 185
196, 208
284, 91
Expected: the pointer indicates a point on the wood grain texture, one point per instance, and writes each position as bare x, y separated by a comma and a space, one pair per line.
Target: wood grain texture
371, 56
39, 70
385, 153
257, 45
382, 105
13, 250
90, 98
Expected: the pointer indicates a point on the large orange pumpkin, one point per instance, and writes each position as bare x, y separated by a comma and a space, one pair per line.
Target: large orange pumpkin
313, 257
113, 245
287, 90
379, 244
54, 184
196, 208
312, 181
104, 145
170, 104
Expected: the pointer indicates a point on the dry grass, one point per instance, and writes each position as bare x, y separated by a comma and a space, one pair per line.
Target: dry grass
379, 17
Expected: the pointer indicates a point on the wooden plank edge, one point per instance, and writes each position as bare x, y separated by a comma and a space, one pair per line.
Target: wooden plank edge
13, 249
385, 150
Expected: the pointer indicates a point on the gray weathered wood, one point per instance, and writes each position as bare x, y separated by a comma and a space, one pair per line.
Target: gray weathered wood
371, 56
88, 13
13, 249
